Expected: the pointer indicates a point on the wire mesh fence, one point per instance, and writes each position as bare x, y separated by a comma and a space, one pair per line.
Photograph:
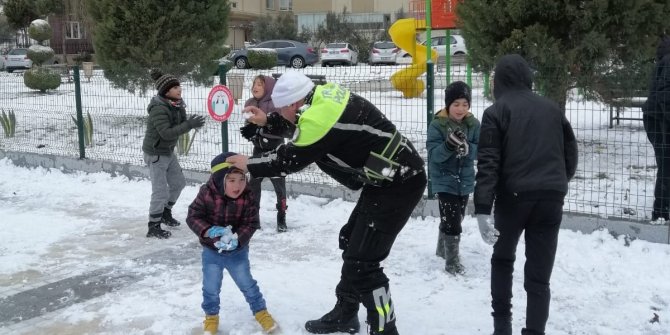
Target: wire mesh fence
615, 176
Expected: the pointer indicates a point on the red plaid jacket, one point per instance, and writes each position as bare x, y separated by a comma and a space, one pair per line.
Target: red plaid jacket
213, 208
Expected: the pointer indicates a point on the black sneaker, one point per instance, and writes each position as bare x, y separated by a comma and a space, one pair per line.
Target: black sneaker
156, 231
167, 218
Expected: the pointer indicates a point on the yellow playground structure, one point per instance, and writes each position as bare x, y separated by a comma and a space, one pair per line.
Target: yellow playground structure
403, 34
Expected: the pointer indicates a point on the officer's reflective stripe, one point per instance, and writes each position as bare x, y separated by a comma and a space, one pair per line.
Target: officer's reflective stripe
338, 161
262, 159
384, 307
362, 127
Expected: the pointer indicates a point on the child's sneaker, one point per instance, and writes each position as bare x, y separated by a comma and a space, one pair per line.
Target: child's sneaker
266, 321
211, 324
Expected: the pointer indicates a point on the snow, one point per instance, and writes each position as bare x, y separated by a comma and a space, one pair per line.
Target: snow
55, 225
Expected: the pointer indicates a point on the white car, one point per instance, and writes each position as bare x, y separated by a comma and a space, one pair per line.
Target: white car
457, 45
338, 53
438, 44
383, 52
17, 59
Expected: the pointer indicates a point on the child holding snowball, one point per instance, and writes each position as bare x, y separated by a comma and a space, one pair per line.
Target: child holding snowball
224, 215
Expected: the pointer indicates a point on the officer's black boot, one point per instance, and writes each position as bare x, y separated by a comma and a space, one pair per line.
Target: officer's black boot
156, 231
343, 318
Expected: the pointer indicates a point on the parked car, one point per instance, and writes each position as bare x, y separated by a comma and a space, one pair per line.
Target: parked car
439, 44
339, 53
457, 45
290, 53
17, 59
383, 52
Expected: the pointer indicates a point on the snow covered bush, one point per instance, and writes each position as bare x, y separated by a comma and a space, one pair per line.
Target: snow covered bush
39, 77
262, 58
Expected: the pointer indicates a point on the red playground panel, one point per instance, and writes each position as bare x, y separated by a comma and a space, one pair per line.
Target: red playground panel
443, 13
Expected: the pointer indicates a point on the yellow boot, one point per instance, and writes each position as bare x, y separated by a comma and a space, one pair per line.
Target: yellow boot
211, 324
266, 321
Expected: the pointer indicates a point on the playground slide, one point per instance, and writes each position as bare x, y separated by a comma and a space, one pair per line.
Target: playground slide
403, 34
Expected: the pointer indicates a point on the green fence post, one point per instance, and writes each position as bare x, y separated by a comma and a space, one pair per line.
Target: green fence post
447, 56
468, 72
487, 86
80, 116
430, 78
224, 124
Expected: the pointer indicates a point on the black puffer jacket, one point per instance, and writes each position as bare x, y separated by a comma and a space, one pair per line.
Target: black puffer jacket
657, 105
526, 145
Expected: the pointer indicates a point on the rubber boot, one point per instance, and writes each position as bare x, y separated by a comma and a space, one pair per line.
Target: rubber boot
343, 318
453, 262
440, 252
156, 231
502, 325
281, 218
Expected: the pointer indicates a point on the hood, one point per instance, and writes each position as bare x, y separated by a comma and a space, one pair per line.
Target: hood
269, 86
663, 48
157, 101
512, 73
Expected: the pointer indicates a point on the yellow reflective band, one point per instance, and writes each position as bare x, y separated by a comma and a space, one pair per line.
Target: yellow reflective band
221, 166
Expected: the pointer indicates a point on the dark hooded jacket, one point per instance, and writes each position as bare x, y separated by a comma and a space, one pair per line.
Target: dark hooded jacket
657, 106
264, 141
526, 146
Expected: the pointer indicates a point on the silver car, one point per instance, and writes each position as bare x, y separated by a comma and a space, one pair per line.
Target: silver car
383, 52
17, 59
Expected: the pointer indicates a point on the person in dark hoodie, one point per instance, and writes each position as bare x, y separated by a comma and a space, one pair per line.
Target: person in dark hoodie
656, 120
166, 122
353, 142
263, 142
224, 216
526, 156
452, 141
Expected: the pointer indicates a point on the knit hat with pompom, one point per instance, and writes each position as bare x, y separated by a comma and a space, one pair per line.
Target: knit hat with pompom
163, 82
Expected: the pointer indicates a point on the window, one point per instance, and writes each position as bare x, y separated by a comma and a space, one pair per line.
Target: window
72, 30
270, 4
282, 44
233, 5
286, 5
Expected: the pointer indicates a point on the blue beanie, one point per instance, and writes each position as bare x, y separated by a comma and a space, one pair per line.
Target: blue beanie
219, 168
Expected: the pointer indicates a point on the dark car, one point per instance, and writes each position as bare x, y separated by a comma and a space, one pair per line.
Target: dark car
289, 53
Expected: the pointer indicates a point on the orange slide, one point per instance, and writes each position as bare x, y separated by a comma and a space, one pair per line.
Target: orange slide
403, 34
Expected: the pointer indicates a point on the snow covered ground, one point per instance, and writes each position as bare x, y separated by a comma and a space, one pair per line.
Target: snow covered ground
55, 225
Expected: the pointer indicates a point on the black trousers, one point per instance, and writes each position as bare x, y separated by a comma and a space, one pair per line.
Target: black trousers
366, 240
658, 133
279, 185
541, 220
452, 211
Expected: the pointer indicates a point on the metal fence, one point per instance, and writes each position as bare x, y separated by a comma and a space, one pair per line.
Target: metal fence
615, 177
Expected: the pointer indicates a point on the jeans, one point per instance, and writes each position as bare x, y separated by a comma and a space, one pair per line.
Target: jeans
237, 264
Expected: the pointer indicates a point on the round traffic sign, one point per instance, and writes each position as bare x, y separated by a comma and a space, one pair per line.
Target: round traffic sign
220, 103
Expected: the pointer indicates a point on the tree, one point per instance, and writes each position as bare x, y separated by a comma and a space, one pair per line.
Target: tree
181, 37
338, 29
281, 27
568, 43
19, 14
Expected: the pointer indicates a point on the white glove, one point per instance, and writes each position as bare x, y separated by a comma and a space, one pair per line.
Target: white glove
486, 228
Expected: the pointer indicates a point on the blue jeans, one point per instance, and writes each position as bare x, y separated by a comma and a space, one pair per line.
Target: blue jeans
237, 264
